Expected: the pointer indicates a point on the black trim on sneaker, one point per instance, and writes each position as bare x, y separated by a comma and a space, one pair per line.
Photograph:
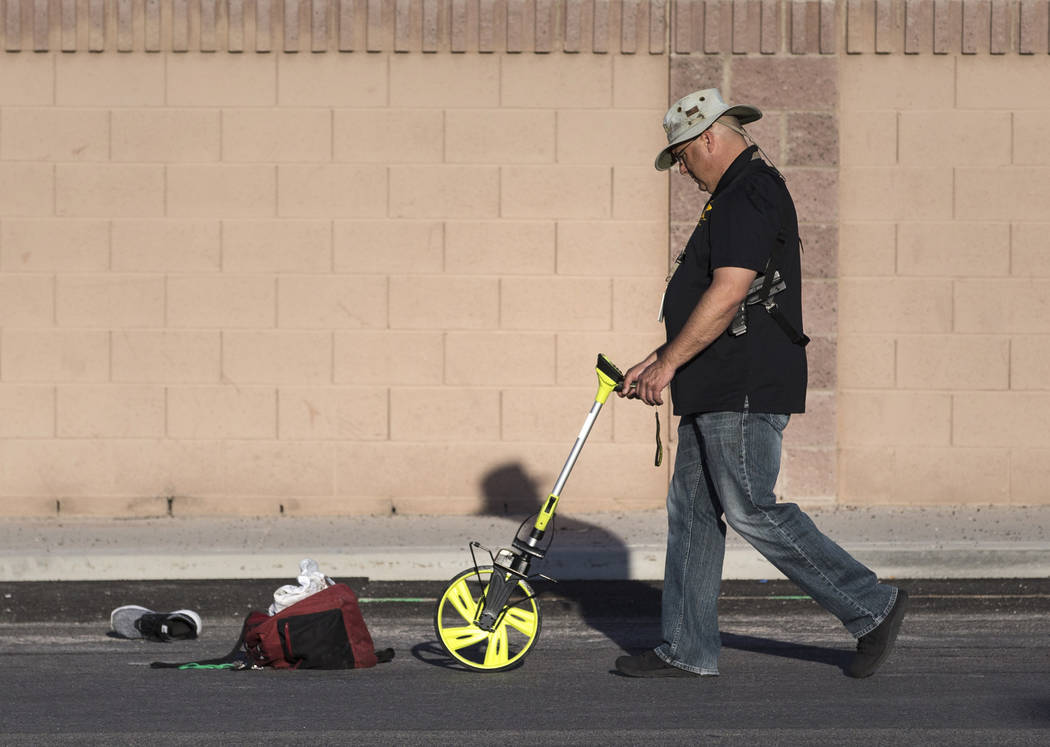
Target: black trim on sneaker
166, 626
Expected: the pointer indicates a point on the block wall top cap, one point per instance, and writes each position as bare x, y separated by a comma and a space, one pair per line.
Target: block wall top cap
691, 115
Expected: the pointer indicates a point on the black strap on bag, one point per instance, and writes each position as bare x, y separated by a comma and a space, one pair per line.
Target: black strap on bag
237, 658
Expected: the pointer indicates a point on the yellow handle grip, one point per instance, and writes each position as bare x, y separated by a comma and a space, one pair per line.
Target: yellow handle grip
609, 378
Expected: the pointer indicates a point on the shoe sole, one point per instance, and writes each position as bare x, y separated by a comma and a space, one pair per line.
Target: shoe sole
122, 620
659, 675
668, 671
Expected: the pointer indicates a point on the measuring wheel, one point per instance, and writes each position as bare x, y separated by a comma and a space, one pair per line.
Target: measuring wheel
515, 631
488, 621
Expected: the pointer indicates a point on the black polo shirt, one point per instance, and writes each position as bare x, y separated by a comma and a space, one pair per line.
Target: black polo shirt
749, 212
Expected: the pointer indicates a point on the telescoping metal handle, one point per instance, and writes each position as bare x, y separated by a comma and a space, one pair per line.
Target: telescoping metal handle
609, 380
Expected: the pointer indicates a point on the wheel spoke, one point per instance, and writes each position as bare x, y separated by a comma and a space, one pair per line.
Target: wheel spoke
496, 655
462, 600
521, 620
458, 638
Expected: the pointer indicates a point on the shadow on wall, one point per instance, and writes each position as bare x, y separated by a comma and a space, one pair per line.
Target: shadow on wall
591, 564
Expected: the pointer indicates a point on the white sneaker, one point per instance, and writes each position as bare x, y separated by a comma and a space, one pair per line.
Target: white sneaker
132, 621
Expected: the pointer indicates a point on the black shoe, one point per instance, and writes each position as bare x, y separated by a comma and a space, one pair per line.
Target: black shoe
875, 647
648, 664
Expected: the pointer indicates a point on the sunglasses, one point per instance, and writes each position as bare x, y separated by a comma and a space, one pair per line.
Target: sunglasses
676, 156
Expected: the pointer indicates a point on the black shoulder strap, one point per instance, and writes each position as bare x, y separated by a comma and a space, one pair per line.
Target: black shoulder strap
764, 298
799, 338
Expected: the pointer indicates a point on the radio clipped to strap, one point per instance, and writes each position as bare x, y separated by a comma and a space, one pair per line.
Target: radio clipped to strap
762, 290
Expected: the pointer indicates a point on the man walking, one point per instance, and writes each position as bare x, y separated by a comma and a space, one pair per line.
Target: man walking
736, 364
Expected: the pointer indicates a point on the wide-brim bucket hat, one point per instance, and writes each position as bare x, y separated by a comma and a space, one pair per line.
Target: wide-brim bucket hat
691, 115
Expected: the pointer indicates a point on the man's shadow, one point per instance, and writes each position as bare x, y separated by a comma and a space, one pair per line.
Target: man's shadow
835, 657
611, 604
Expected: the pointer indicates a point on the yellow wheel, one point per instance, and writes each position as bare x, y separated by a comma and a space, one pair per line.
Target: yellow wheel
486, 651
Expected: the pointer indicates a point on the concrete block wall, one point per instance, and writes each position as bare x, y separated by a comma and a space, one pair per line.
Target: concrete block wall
943, 385
357, 256
353, 282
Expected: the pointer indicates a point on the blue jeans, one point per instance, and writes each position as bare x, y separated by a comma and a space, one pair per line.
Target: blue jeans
727, 465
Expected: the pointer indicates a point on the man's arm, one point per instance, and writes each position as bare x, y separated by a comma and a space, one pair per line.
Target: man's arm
708, 320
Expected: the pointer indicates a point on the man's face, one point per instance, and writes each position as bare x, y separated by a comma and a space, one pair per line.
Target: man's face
693, 160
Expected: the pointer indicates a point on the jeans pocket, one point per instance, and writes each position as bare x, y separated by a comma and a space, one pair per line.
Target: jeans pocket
776, 420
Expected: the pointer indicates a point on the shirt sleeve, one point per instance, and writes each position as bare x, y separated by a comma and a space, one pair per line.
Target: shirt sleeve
744, 228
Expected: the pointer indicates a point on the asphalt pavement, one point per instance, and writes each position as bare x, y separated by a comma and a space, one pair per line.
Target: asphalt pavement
972, 665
